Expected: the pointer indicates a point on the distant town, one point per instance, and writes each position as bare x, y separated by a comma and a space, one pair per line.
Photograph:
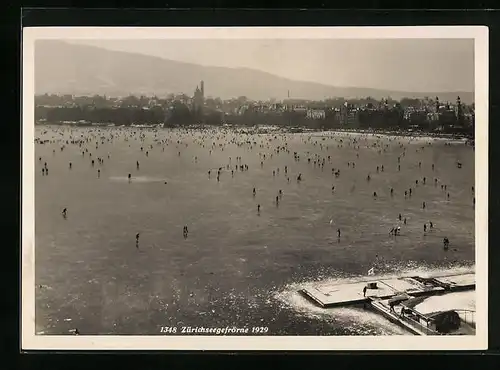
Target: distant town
181, 110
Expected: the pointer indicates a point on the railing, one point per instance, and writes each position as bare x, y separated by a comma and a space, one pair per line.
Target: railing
468, 316
408, 320
423, 328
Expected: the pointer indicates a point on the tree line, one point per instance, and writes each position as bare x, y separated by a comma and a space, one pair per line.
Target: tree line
118, 116
180, 114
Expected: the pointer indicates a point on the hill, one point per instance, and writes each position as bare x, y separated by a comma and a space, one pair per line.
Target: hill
63, 68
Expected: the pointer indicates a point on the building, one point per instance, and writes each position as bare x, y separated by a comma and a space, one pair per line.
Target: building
199, 98
297, 108
316, 114
347, 115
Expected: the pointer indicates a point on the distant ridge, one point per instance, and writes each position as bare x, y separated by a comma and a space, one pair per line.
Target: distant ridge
63, 68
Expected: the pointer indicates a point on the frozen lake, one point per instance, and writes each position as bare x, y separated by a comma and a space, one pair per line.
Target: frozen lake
237, 267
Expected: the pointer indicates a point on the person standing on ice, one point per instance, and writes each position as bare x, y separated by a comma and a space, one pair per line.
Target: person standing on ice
446, 243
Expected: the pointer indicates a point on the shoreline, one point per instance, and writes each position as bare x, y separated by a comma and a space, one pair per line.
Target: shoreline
293, 130
409, 134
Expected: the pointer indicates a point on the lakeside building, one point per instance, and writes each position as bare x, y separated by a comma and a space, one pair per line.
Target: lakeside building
316, 114
430, 114
348, 115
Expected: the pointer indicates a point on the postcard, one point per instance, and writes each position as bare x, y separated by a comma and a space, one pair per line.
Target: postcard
255, 188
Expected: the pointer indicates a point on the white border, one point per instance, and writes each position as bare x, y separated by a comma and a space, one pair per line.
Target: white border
30, 341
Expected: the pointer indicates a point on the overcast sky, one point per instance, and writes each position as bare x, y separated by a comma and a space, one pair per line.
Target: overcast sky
416, 65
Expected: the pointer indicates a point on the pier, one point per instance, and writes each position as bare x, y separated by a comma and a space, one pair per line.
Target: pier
396, 298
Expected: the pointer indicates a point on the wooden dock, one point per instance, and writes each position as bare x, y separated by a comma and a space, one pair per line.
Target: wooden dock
458, 282
395, 316
380, 292
334, 295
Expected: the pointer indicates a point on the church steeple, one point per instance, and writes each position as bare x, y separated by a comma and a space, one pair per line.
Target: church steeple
198, 98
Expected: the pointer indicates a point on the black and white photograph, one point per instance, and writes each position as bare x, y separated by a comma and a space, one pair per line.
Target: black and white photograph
260, 188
